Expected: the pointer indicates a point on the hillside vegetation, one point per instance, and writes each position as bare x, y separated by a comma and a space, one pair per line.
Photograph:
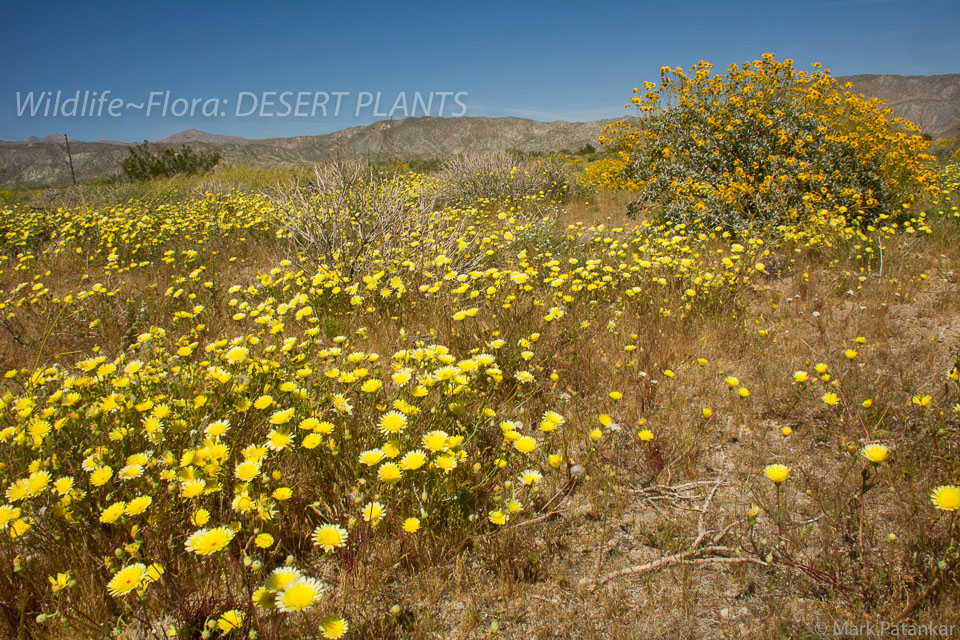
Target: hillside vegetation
493, 400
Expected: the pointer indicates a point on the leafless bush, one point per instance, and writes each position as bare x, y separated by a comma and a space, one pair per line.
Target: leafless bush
348, 210
349, 213
504, 176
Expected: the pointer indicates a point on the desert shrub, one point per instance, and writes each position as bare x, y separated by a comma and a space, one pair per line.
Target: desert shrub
500, 177
350, 213
765, 144
145, 163
609, 174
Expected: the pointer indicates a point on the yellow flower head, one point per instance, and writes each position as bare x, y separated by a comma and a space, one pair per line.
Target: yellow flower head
209, 541
946, 497
127, 579
875, 453
776, 472
333, 627
329, 537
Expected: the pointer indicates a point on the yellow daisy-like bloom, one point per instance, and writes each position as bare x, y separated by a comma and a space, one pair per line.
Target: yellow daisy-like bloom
830, 399
800, 377
18, 490
280, 577
127, 579
732, 382
921, 399
329, 537
391, 450
435, 441
60, 582
278, 440
236, 355
946, 497
555, 460
130, 472
324, 428
413, 460
393, 422
265, 598
218, 428
282, 493
263, 540
200, 517
373, 512
333, 627
282, 417
525, 444
530, 477
371, 386
498, 517
193, 488
206, 542
138, 505
112, 513
446, 463
300, 594
372, 457
63, 485
19, 528
554, 417
875, 453
389, 472
230, 620
101, 476
263, 402
411, 525
776, 472
38, 428
247, 471
38, 482
7, 514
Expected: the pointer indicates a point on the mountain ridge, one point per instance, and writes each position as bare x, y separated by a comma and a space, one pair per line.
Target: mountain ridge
933, 102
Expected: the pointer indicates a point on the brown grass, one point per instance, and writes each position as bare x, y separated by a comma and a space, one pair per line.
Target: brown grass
654, 541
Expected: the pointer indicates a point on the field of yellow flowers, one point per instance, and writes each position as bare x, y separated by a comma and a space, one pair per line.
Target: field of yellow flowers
241, 414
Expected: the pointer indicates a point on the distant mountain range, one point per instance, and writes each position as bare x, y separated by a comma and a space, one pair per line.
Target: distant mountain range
183, 137
42, 163
933, 102
195, 135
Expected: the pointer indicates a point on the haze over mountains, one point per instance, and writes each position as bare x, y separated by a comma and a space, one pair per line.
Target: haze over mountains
933, 102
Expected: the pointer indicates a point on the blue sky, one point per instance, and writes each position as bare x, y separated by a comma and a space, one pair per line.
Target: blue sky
547, 61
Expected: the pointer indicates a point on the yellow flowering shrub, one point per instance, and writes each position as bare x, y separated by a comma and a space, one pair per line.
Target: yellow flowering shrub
765, 144
609, 174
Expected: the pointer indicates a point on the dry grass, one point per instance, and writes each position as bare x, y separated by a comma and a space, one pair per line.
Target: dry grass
653, 539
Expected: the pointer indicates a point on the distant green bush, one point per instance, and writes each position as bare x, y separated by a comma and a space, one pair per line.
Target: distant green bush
145, 163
